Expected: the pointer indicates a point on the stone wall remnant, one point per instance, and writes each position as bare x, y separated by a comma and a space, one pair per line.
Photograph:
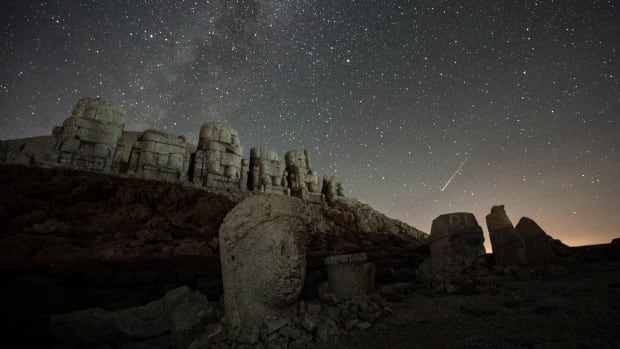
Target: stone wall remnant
88, 139
302, 181
266, 172
218, 159
263, 243
455, 242
350, 275
158, 155
508, 245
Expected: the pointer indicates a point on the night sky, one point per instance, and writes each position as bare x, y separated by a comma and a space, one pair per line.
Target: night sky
392, 96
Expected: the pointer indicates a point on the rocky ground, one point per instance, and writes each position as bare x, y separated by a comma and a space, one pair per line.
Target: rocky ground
577, 308
72, 240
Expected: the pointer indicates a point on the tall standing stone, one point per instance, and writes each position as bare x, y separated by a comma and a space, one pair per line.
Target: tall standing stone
263, 243
508, 246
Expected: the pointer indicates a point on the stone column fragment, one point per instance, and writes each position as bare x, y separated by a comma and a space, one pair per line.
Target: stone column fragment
350, 275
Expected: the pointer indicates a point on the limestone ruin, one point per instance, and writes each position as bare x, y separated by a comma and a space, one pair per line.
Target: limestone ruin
93, 138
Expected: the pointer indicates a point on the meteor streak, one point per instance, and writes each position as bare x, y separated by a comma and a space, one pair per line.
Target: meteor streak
455, 172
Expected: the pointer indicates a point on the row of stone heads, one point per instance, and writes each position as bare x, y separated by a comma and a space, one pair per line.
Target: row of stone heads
94, 134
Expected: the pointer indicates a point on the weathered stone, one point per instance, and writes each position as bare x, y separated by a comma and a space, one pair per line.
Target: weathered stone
266, 172
302, 181
158, 155
331, 188
455, 242
273, 325
350, 275
218, 159
190, 319
290, 332
89, 137
539, 246
149, 321
362, 326
215, 333
263, 256
508, 246
277, 341
308, 322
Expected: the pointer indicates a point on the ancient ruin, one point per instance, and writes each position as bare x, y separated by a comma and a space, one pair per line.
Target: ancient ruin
88, 139
508, 245
158, 155
267, 173
263, 243
455, 242
302, 181
93, 138
350, 275
542, 250
218, 158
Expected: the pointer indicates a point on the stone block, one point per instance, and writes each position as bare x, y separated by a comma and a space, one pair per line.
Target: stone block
229, 159
225, 136
70, 145
350, 275
217, 146
102, 150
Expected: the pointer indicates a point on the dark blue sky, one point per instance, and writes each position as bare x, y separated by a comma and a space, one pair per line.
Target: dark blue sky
390, 96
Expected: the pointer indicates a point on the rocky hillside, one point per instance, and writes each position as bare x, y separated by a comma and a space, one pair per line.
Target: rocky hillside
72, 240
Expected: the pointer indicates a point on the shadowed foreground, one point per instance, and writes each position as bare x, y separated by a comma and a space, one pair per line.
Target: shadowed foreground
577, 309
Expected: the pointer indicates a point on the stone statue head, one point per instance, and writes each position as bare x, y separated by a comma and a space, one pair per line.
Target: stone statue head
297, 158
263, 256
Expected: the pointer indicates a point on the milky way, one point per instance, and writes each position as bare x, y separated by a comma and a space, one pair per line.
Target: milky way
389, 95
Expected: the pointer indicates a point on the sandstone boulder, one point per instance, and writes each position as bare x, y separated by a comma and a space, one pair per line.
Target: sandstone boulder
263, 243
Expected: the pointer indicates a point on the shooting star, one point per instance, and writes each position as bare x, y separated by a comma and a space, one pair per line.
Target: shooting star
455, 172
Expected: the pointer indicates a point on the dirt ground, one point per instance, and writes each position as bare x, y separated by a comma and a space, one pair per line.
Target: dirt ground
579, 308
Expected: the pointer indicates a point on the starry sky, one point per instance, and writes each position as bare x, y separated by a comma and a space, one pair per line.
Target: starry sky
419, 107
